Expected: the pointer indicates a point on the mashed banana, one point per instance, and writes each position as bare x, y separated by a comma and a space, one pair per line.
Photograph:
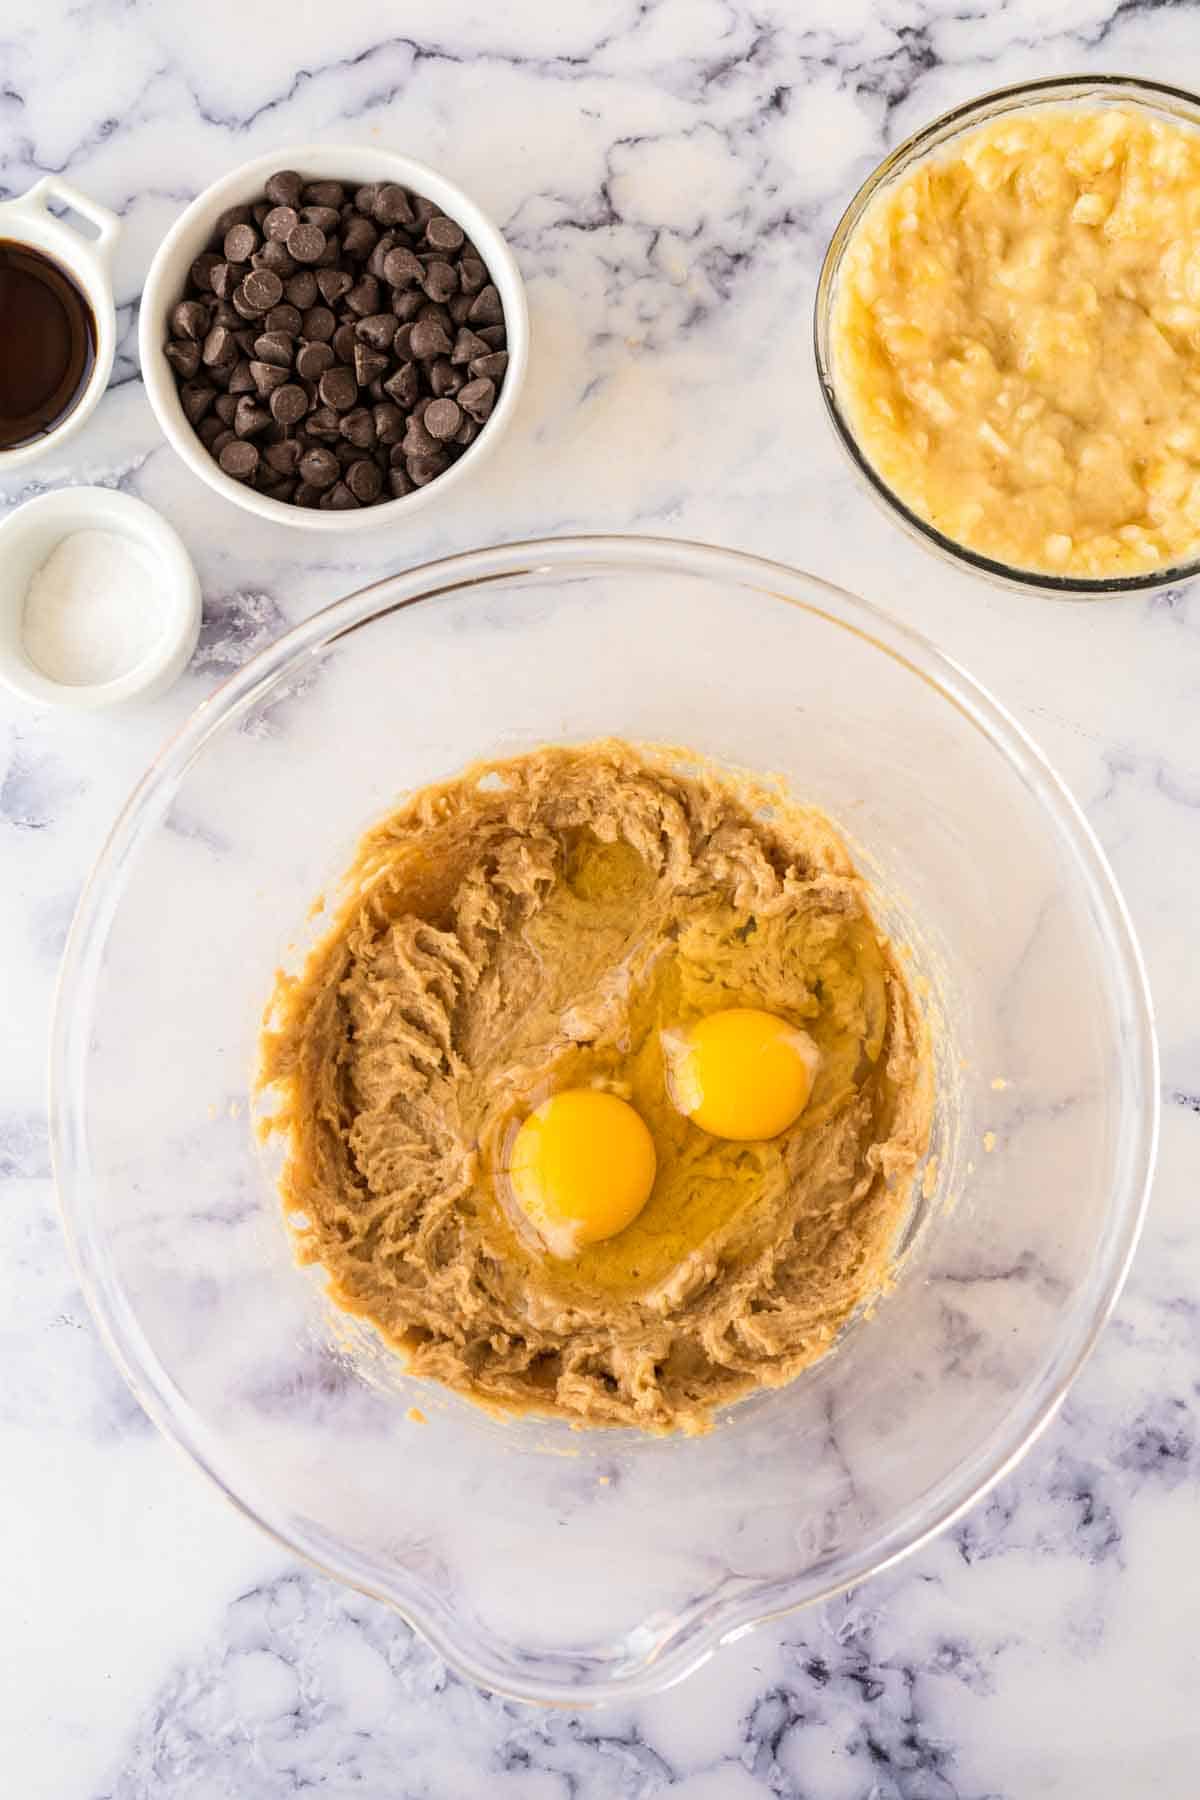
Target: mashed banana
1016, 340
537, 926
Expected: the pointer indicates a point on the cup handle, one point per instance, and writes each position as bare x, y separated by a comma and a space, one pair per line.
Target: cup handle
36, 200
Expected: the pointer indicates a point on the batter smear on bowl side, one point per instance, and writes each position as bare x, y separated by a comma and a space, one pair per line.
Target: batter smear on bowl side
582, 923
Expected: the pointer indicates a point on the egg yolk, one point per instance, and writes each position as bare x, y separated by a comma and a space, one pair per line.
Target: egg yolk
581, 1168
741, 1074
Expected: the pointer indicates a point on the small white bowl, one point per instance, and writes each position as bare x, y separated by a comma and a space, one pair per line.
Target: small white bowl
29, 537
88, 261
353, 164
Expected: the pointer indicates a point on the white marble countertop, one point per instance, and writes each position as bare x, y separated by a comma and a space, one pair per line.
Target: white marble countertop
667, 172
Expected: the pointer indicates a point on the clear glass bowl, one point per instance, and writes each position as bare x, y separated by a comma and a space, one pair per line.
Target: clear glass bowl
1097, 90
549, 1564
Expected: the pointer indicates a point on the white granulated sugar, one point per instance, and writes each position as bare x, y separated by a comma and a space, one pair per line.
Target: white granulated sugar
93, 609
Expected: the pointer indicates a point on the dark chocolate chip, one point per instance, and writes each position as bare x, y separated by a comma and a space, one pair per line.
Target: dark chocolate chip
241, 241
250, 418
326, 217
444, 234
333, 283
472, 275
283, 457
338, 388
318, 325
289, 404
404, 386
408, 304
364, 481
306, 243
441, 280
487, 309
242, 380
368, 364
419, 442
378, 330
262, 289
202, 270
391, 205
319, 467
467, 344
458, 306
323, 423
183, 354
478, 398
225, 408
267, 377
492, 365
209, 428
312, 360
301, 289
239, 459
338, 499
306, 494
424, 469
401, 483
444, 378
359, 238
275, 347
279, 222
324, 193
494, 336
284, 188
233, 215
364, 197
429, 340
275, 257
284, 318
225, 436
467, 432
219, 348
389, 422
442, 419
344, 340
224, 279
196, 397
402, 269
190, 319
358, 428
363, 297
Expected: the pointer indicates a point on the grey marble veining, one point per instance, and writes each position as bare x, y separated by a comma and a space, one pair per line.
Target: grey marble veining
667, 172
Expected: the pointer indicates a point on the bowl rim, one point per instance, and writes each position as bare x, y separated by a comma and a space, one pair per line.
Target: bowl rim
1044, 91
579, 1679
329, 161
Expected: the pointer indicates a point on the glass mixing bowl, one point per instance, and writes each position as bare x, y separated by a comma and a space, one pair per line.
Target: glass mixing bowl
547, 1563
1177, 106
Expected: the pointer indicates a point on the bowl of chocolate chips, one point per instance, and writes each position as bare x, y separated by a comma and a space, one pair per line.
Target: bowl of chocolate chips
331, 332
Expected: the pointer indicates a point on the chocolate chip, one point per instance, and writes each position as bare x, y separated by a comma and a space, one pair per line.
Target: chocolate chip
284, 457
301, 289
391, 206
224, 279
494, 336
183, 354
267, 377
359, 238
289, 404
444, 234
429, 340
358, 428
275, 257
279, 222
223, 437
338, 388
325, 217
323, 423
196, 397
400, 482
406, 306
467, 344
389, 422
239, 459
487, 309
189, 319
368, 364
402, 269
306, 243
241, 241
225, 407
262, 289
444, 378
233, 215
344, 340
440, 282
424, 469
338, 499
472, 275
306, 494
442, 419
493, 365
275, 347
312, 360
202, 270
364, 481
318, 325
378, 330
402, 343
333, 283
284, 318
364, 197
219, 348
467, 432
478, 398
458, 306
319, 467
284, 188
419, 442
250, 418
208, 429
242, 380
404, 386
325, 193
363, 297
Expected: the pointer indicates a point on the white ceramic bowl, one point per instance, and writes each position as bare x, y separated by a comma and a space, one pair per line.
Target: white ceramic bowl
354, 164
29, 536
88, 261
